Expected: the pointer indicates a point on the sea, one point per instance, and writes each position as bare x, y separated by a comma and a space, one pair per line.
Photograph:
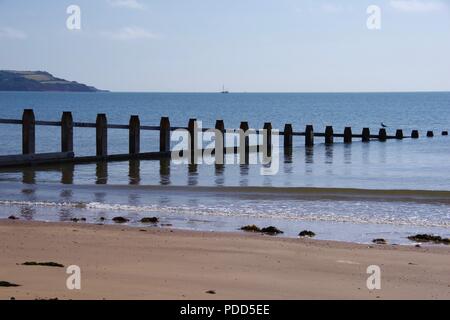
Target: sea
345, 192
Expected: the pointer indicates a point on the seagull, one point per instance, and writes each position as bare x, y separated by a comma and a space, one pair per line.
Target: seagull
383, 125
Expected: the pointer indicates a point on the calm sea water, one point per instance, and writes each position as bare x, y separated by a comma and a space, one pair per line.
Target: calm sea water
55, 193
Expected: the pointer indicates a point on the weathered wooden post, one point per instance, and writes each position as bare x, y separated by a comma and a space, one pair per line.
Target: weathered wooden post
382, 134
135, 135
267, 140
288, 134
102, 135
430, 134
348, 135
193, 140
67, 132
134, 172
219, 151
329, 135
67, 173
399, 134
28, 132
244, 143
366, 135
415, 134
309, 136
164, 135
445, 133
101, 172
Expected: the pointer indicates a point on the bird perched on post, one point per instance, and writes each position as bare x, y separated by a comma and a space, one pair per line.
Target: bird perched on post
383, 125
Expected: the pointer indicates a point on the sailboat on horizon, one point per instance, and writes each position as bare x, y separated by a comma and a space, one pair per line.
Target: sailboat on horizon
224, 91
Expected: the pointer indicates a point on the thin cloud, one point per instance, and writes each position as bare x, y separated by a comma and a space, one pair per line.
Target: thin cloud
418, 5
131, 4
11, 33
131, 33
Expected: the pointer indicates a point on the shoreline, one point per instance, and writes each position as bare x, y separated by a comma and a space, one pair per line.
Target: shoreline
120, 262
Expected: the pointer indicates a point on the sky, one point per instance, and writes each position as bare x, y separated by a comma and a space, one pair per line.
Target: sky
246, 45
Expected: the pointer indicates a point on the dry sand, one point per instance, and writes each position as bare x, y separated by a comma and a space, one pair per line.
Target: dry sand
127, 263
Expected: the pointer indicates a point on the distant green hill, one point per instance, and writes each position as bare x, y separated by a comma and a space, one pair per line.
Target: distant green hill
38, 81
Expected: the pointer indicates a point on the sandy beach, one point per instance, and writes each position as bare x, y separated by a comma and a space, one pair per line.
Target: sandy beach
119, 262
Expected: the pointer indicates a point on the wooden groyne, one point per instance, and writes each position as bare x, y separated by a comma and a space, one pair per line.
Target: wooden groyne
134, 127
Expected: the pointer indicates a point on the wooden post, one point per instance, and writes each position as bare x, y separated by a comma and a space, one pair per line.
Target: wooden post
102, 135
309, 136
382, 135
267, 140
193, 140
415, 134
135, 135
399, 134
430, 134
445, 133
366, 135
164, 135
220, 142
244, 143
28, 132
348, 138
329, 132
67, 132
288, 137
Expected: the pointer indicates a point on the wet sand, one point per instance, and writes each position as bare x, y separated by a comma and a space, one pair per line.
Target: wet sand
119, 262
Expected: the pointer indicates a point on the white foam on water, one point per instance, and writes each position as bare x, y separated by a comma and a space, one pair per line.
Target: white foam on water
359, 212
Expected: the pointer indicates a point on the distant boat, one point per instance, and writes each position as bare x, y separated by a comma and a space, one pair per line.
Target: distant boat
224, 91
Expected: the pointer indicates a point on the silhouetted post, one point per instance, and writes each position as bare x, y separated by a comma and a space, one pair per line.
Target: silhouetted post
102, 135
329, 132
135, 135
67, 173
445, 133
288, 137
415, 134
348, 138
366, 135
164, 135
67, 132
267, 140
101, 172
382, 134
28, 132
193, 140
244, 143
430, 134
399, 134
309, 136
220, 142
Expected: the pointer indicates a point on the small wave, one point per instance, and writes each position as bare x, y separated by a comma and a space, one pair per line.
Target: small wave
337, 212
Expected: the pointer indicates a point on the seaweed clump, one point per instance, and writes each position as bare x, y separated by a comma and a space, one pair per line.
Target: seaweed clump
120, 220
43, 264
153, 220
251, 228
307, 234
6, 284
271, 231
379, 241
429, 238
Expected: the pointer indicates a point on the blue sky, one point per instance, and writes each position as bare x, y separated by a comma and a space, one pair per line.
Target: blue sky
248, 45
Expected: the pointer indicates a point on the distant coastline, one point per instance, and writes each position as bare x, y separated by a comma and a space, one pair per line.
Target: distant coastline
39, 81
